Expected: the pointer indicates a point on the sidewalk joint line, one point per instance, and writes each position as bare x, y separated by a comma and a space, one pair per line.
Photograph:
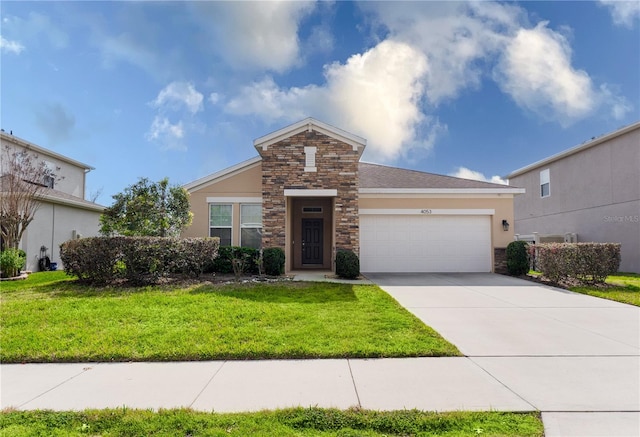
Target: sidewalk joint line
353, 381
84, 370
502, 383
208, 382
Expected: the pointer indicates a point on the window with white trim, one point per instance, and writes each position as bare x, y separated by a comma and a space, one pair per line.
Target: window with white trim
545, 183
251, 225
221, 222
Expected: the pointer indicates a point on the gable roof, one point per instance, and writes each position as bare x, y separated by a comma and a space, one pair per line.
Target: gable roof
573, 150
222, 174
309, 124
379, 179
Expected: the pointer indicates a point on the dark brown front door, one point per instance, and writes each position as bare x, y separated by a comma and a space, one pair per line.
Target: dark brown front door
312, 241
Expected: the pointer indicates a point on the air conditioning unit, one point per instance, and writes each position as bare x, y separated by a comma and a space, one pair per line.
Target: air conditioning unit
570, 237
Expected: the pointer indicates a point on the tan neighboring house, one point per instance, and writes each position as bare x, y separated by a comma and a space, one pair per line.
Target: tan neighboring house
63, 213
308, 193
590, 192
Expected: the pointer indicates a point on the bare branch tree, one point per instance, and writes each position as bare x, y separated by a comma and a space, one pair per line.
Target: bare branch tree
25, 179
93, 195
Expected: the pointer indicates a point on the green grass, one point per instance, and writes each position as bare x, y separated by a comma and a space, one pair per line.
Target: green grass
48, 318
290, 422
626, 289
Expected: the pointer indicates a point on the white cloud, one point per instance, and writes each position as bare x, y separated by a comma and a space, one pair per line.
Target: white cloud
256, 34
465, 173
8, 46
179, 94
375, 94
214, 98
536, 71
167, 134
623, 12
36, 27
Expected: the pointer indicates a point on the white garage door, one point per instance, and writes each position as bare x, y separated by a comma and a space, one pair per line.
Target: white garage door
425, 243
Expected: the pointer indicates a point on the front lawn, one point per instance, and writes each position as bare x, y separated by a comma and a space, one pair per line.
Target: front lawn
622, 287
289, 422
48, 318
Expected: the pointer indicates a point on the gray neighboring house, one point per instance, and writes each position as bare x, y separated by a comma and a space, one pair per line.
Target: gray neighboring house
64, 213
591, 190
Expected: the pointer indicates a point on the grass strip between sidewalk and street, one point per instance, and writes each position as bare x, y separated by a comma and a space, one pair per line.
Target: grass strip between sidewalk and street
51, 318
288, 422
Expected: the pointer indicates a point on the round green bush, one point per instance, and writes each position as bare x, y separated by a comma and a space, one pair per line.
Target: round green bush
273, 260
347, 264
11, 262
517, 258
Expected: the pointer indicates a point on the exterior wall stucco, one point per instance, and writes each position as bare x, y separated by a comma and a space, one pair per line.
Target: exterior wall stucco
53, 225
594, 192
246, 183
71, 178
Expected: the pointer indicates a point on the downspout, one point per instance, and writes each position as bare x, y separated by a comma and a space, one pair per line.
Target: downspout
53, 228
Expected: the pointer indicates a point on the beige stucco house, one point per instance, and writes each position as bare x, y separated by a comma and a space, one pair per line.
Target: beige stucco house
63, 213
590, 192
308, 193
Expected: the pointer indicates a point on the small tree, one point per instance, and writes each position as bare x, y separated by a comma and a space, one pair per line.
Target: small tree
23, 181
151, 209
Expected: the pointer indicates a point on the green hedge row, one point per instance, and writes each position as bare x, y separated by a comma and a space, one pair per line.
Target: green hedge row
139, 260
587, 262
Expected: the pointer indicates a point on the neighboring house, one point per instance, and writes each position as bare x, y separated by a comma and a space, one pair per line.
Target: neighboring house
63, 213
591, 190
309, 194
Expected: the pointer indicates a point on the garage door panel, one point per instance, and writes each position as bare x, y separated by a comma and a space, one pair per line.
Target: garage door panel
406, 243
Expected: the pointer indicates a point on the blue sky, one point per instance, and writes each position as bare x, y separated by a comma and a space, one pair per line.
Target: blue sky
181, 89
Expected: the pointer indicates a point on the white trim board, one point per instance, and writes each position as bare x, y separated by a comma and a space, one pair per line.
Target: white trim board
234, 199
426, 211
310, 193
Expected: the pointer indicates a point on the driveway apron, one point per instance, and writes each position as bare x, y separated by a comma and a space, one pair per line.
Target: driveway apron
576, 358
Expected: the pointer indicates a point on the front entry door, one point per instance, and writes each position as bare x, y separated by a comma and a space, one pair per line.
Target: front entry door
312, 241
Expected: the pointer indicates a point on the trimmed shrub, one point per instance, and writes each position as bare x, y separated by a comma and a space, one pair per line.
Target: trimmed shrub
11, 262
587, 262
347, 264
93, 259
273, 259
226, 254
140, 260
517, 258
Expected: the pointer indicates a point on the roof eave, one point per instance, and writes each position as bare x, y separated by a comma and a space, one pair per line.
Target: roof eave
441, 190
24, 143
358, 143
574, 150
222, 173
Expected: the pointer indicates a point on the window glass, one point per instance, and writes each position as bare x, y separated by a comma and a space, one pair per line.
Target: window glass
251, 215
251, 226
545, 183
220, 215
220, 220
223, 233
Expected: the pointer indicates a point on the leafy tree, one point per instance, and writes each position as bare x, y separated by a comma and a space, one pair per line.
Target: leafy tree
24, 180
152, 209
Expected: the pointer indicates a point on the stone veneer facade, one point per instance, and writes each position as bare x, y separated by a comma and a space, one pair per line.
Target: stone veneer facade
283, 165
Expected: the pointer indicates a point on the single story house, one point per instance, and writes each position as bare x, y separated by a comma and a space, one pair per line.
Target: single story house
308, 193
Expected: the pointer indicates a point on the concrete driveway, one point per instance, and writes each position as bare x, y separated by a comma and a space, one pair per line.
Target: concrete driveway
576, 358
